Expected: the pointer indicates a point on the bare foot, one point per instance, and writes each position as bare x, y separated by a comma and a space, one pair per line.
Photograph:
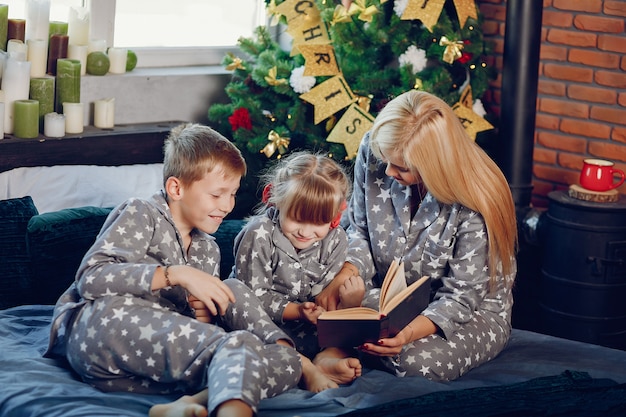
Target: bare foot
185, 406
351, 292
340, 370
313, 379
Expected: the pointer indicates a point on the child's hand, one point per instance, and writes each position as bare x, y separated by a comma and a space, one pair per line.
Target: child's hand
310, 311
202, 312
351, 292
210, 290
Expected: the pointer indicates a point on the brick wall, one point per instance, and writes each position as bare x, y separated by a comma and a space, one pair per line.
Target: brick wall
581, 102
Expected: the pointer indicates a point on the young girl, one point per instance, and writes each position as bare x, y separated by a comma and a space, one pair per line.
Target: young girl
293, 248
128, 322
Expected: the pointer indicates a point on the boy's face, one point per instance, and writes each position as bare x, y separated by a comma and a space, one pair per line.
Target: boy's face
206, 202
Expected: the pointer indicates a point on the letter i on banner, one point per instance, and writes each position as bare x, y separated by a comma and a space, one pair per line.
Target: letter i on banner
329, 97
350, 129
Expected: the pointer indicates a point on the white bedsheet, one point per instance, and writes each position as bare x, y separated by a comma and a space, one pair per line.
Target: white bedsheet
67, 186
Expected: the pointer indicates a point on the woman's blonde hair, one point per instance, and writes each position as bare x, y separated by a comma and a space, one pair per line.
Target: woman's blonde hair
434, 145
306, 187
192, 150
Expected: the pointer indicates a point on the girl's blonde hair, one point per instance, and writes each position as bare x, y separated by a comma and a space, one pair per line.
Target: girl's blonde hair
307, 187
192, 150
434, 145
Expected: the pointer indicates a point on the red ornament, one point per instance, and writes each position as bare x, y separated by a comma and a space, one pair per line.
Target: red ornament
465, 58
240, 118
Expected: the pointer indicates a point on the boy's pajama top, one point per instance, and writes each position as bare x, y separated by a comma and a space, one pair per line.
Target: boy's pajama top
446, 242
118, 334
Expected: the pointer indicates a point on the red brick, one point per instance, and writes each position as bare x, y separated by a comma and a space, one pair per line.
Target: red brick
571, 161
554, 174
585, 128
612, 43
552, 52
593, 94
569, 73
589, 6
621, 99
610, 151
599, 24
544, 121
562, 142
611, 79
553, 88
543, 155
619, 134
493, 12
564, 108
615, 8
557, 19
490, 28
594, 58
623, 65
608, 114
572, 38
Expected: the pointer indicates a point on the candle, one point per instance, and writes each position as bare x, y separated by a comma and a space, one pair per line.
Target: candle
58, 50
78, 26
78, 52
97, 45
16, 29
37, 54
1, 119
4, 27
3, 62
38, 19
104, 113
58, 28
26, 119
42, 90
67, 83
54, 125
73, 117
16, 86
17, 49
117, 57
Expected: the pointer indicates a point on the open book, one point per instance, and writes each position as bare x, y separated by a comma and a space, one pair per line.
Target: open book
399, 305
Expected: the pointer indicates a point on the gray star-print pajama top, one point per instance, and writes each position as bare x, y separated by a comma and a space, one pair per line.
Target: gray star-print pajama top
446, 242
119, 335
269, 264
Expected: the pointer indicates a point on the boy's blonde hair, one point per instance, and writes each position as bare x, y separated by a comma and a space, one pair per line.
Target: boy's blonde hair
307, 187
192, 150
433, 143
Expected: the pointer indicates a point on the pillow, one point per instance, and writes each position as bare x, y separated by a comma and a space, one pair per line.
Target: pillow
57, 242
15, 273
225, 237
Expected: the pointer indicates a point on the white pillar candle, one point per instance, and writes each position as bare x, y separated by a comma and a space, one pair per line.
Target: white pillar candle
104, 113
97, 45
16, 86
17, 49
38, 57
78, 26
1, 119
37, 19
78, 52
54, 125
117, 57
73, 117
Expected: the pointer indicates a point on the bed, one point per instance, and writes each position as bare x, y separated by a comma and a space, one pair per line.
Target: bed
536, 375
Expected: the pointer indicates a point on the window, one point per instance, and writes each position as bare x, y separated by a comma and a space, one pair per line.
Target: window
163, 32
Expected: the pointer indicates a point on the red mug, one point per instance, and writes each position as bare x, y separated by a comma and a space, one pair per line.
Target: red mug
598, 175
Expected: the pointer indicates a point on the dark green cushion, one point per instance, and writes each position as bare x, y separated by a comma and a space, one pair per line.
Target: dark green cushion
15, 273
225, 237
57, 242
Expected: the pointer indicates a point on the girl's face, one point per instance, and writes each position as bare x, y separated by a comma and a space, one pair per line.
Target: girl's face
206, 202
399, 172
303, 235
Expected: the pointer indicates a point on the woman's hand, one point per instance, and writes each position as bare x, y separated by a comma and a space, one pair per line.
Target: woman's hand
420, 327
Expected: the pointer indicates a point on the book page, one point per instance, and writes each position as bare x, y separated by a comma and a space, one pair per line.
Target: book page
351, 314
391, 303
393, 284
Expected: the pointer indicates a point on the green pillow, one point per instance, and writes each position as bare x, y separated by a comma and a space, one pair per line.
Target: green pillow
15, 273
57, 242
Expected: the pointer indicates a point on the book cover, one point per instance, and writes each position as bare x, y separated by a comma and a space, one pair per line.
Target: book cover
399, 305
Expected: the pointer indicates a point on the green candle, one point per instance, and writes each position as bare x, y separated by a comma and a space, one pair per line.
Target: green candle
4, 25
67, 83
26, 119
58, 28
42, 90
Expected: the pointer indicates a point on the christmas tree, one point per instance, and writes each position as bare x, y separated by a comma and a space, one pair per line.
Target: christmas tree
345, 63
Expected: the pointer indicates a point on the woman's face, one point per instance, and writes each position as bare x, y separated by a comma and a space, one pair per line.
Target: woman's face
397, 170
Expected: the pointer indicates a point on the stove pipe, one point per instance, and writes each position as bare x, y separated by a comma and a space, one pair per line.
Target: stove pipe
522, 40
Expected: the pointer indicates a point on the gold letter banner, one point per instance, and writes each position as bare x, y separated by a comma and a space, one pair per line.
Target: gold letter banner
311, 31
472, 122
427, 11
320, 60
354, 123
329, 97
296, 10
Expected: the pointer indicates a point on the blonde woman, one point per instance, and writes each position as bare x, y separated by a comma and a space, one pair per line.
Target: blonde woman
425, 193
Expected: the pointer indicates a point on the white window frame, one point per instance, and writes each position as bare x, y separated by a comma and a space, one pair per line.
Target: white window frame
151, 57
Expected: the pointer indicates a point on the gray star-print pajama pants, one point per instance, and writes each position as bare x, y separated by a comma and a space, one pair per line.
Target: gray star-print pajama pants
122, 343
